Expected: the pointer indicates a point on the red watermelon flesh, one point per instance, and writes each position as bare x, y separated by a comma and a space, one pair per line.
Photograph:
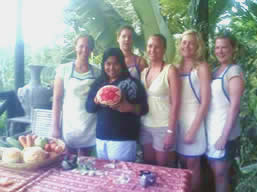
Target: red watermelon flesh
109, 95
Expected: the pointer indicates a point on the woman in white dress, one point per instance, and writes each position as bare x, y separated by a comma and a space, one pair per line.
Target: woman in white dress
195, 80
71, 87
222, 121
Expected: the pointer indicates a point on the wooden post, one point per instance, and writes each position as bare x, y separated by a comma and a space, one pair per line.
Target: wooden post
19, 49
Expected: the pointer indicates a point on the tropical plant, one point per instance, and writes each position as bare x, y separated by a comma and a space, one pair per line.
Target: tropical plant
96, 18
102, 18
6, 69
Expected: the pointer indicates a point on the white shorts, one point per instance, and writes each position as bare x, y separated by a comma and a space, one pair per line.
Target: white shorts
154, 136
116, 150
232, 150
213, 153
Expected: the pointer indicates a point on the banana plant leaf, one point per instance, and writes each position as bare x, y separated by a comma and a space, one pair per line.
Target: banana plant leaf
99, 19
153, 22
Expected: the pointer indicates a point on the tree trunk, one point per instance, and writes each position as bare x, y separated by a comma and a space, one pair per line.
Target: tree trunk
200, 19
19, 49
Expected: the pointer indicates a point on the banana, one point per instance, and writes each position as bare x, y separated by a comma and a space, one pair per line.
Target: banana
14, 143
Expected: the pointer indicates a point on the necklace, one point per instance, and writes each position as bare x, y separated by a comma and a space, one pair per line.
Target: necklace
150, 78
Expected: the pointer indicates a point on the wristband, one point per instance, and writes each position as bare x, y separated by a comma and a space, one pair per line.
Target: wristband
169, 131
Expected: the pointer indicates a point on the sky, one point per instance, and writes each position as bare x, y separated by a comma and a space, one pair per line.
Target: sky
42, 21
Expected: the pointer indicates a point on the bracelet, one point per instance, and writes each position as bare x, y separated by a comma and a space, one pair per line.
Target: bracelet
169, 131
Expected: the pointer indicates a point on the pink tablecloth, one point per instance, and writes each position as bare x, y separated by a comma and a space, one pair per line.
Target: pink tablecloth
19, 178
109, 177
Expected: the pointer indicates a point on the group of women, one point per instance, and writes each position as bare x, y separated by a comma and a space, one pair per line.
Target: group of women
178, 108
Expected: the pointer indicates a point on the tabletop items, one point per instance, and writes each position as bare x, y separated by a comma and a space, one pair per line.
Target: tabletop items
95, 175
69, 162
147, 178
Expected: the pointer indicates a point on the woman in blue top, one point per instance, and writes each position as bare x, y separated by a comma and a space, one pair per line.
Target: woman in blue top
117, 127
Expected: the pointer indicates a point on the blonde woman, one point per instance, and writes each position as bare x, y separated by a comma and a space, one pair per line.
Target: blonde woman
161, 81
196, 91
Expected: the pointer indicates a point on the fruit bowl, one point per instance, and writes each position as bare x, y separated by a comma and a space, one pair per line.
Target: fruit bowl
51, 158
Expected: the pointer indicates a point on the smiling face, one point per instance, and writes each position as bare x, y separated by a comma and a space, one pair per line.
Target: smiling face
224, 50
188, 46
155, 49
112, 68
125, 39
82, 48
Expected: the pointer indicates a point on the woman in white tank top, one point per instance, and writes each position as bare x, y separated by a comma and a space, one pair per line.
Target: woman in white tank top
135, 63
222, 121
161, 81
195, 80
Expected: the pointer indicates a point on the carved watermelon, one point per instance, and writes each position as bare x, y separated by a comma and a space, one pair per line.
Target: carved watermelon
109, 95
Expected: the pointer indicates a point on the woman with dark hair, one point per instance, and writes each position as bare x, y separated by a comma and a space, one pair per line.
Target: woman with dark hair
71, 85
223, 128
117, 126
135, 63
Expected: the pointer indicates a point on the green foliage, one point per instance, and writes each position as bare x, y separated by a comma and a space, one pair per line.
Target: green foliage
96, 18
127, 10
2, 124
6, 68
175, 13
153, 22
218, 11
247, 182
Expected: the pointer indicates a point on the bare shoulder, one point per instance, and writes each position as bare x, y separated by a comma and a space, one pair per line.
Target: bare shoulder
141, 62
203, 71
172, 69
203, 68
172, 73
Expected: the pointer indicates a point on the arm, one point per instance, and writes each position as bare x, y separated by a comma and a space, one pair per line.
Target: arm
140, 107
141, 63
235, 89
125, 107
57, 106
205, 94
92, 103
174, 94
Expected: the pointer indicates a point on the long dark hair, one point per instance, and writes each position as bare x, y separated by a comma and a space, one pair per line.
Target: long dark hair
116, 52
